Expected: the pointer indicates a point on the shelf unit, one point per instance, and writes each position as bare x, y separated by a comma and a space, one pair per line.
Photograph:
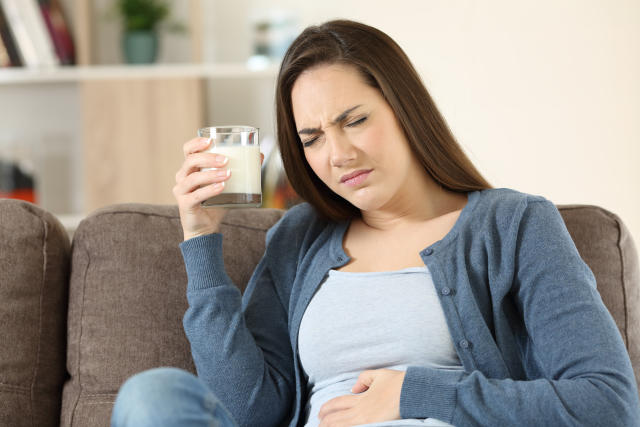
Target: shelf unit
76, 74
124, 124
127, 122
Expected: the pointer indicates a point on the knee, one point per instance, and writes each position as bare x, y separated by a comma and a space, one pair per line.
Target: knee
152, 396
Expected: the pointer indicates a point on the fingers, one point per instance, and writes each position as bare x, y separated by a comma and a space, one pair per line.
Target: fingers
194, 162
345, 418
195, 145
199, 179
194, 185
190, 199
336, 404
359, 388
193, 199
364, 382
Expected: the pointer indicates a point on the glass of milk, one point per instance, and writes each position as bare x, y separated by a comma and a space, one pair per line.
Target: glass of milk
240, 145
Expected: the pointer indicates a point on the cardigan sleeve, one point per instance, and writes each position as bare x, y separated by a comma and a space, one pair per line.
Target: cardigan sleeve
244, 356
587, 375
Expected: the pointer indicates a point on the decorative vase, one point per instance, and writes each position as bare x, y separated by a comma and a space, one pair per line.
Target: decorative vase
140, 47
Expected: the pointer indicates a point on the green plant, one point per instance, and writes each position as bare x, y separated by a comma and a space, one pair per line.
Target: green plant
142, 15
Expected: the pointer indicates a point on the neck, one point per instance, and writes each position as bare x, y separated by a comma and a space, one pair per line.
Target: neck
407, 209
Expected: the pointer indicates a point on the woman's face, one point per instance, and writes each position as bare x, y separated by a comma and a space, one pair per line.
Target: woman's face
351, 137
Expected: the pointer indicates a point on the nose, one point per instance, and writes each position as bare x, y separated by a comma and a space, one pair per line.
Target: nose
342, 152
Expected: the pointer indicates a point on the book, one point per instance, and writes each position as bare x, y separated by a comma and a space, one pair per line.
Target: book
4, 56
8, 41
56, 22
17, 26
30, 32
38, 32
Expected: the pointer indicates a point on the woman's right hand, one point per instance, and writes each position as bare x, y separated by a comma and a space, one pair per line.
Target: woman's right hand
194, 186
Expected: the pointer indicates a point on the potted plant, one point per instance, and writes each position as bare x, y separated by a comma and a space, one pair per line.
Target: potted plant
141, 19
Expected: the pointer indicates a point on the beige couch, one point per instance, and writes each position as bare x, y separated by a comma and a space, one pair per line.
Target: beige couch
78, 319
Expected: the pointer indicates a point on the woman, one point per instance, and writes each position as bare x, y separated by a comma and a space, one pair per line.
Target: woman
406, 291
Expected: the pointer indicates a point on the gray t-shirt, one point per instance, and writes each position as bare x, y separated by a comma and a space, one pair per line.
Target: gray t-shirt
361, 321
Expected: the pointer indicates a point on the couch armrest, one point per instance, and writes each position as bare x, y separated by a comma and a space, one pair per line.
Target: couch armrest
34, 271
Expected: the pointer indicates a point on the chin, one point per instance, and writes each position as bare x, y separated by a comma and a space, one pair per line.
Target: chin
365, 204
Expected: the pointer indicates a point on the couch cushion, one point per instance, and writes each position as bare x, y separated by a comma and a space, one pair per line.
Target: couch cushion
34, 260
128, 296
605, 244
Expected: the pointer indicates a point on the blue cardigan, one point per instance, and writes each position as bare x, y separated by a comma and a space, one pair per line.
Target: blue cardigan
537, 344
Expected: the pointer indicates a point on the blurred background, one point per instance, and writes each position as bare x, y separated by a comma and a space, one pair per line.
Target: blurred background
544, 96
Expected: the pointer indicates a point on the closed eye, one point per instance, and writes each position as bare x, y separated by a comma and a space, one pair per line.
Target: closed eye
357, 122
309, 142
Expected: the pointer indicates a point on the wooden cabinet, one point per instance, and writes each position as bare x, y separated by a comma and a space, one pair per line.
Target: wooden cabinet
132, 133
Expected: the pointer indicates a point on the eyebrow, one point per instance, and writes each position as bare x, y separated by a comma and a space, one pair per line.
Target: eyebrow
341, 117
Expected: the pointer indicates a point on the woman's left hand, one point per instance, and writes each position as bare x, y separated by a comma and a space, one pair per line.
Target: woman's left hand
377, 399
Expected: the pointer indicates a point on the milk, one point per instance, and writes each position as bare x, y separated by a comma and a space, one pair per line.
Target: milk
244, 163
243, 186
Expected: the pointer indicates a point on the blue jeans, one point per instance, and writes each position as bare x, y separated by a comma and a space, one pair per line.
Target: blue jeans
168, 397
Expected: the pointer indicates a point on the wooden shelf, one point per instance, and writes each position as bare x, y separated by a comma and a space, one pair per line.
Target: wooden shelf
9, 76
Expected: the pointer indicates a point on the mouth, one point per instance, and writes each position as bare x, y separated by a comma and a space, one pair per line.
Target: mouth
355, 178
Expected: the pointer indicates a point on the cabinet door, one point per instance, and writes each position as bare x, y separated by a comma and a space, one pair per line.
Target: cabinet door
133, 131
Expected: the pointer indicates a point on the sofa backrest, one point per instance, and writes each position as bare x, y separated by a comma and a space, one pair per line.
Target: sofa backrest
606, 245
128, 295
34, 271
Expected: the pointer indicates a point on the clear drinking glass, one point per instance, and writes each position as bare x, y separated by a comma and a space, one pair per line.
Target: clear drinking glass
241, 146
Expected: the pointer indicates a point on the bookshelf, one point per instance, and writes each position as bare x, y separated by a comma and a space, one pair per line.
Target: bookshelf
121, 127
13, 76
159, 106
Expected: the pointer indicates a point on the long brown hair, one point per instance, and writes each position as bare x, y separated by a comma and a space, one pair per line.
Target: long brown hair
385, 66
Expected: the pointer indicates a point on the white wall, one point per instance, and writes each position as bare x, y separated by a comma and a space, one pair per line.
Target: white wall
544, 96
42, 137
